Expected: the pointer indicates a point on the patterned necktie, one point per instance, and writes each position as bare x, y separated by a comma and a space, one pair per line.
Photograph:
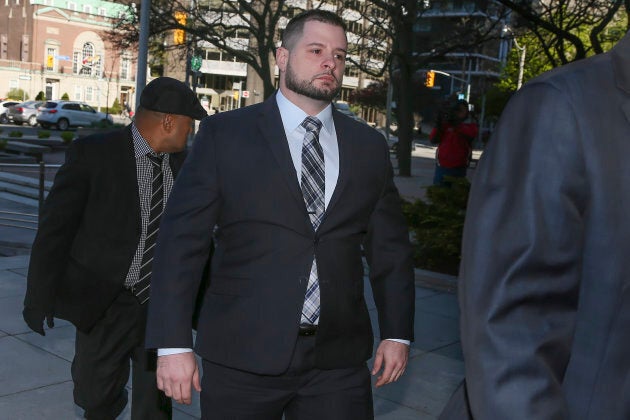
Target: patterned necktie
313, 184
141, 288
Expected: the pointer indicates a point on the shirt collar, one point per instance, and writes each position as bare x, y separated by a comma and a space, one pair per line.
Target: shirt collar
292, 115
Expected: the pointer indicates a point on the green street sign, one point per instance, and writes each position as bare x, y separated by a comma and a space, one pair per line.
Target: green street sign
195, 63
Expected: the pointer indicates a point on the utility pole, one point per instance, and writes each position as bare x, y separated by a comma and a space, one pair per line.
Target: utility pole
143, 48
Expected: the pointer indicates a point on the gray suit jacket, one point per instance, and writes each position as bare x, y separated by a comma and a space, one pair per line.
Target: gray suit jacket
545, 277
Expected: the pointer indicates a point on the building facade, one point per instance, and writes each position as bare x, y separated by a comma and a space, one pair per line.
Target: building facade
59, 47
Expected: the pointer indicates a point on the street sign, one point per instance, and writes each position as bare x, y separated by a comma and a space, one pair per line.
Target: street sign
24, 77
195, 62
246, 94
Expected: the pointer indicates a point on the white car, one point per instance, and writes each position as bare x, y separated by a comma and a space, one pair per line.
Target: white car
65, 114
4, 106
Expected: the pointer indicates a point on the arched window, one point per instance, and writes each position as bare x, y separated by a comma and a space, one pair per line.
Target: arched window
87, 56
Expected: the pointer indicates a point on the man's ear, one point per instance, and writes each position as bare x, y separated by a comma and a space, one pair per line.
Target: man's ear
167, 122
282, 57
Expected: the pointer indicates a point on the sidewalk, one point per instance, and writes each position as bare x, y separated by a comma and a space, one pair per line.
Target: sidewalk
35, 378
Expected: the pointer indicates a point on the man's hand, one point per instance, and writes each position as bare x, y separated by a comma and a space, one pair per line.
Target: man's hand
175, 374
34, 318
392, 356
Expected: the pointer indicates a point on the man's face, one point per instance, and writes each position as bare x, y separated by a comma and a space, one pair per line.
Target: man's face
315, 64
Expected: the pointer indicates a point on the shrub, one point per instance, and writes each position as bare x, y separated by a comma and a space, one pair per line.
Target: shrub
17, 94
3, 144
43, 134
15, 134
116, 108
41, 96
65, 97
67, 136
437, 225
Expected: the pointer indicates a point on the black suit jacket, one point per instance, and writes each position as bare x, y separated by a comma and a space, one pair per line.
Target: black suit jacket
240, 177
544, 282
89, 230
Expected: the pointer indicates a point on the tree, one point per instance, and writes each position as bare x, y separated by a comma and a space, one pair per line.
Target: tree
244, 29
569, 30
389, 44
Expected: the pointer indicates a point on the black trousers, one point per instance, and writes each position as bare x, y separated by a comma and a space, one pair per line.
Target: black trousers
101, 366
303, 393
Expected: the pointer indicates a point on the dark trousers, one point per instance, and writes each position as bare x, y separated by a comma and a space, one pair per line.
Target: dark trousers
441, 172
303, 393
100, 368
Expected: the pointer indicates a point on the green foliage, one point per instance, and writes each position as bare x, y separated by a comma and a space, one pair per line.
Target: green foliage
65, 97
43, 134
67, 136
17, 94
436, 226
41, 96
116, 107
374, 95
15, 134
3, 144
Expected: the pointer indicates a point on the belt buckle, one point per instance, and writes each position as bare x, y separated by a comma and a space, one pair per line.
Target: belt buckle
307, 330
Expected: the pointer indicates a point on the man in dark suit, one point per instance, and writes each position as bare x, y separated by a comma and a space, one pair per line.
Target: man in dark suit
295, 190
91, 259
544, 281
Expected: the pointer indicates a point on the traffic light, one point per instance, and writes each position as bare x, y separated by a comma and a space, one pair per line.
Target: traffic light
179, 36
50, 61
430, 79
235, 95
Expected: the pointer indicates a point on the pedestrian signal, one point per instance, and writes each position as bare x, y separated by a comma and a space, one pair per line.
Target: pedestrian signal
430, 79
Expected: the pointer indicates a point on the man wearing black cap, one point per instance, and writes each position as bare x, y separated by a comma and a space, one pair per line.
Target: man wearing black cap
92, 256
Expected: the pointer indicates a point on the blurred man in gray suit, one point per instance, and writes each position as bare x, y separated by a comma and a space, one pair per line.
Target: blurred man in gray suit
545, 276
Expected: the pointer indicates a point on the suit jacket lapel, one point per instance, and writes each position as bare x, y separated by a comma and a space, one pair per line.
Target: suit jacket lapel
128, 175
270, 124
344, 138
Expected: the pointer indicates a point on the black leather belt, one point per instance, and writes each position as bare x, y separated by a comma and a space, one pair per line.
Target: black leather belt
307, 330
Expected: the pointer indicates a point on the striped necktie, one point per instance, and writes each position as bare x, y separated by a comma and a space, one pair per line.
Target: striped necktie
142, 288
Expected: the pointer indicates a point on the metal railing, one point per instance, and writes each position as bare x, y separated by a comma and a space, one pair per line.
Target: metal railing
39, 172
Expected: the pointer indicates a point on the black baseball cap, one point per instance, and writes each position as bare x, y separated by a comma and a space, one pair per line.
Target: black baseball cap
171, 96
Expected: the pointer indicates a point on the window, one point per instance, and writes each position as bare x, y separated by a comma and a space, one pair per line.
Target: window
125, 65
102, 11
50, 58
86, 62
78, 90
72, 6
89, 93
87, 8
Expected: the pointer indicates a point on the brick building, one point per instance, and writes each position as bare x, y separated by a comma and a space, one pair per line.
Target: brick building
58, 46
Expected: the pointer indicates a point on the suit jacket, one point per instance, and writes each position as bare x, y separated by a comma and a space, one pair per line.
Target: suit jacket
89, 229
544, 281
240, 177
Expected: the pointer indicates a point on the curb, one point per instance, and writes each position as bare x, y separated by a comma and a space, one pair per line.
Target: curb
437, 281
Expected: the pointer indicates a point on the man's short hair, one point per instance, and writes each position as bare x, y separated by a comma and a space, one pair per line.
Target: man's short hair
295, 27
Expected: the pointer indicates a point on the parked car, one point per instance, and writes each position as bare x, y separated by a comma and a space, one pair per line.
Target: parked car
25, 112
64, 114
392, 141
344, 108
4, 107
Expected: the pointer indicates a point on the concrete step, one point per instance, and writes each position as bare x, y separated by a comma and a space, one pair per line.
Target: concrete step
21, 190
25, 181
33, 202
